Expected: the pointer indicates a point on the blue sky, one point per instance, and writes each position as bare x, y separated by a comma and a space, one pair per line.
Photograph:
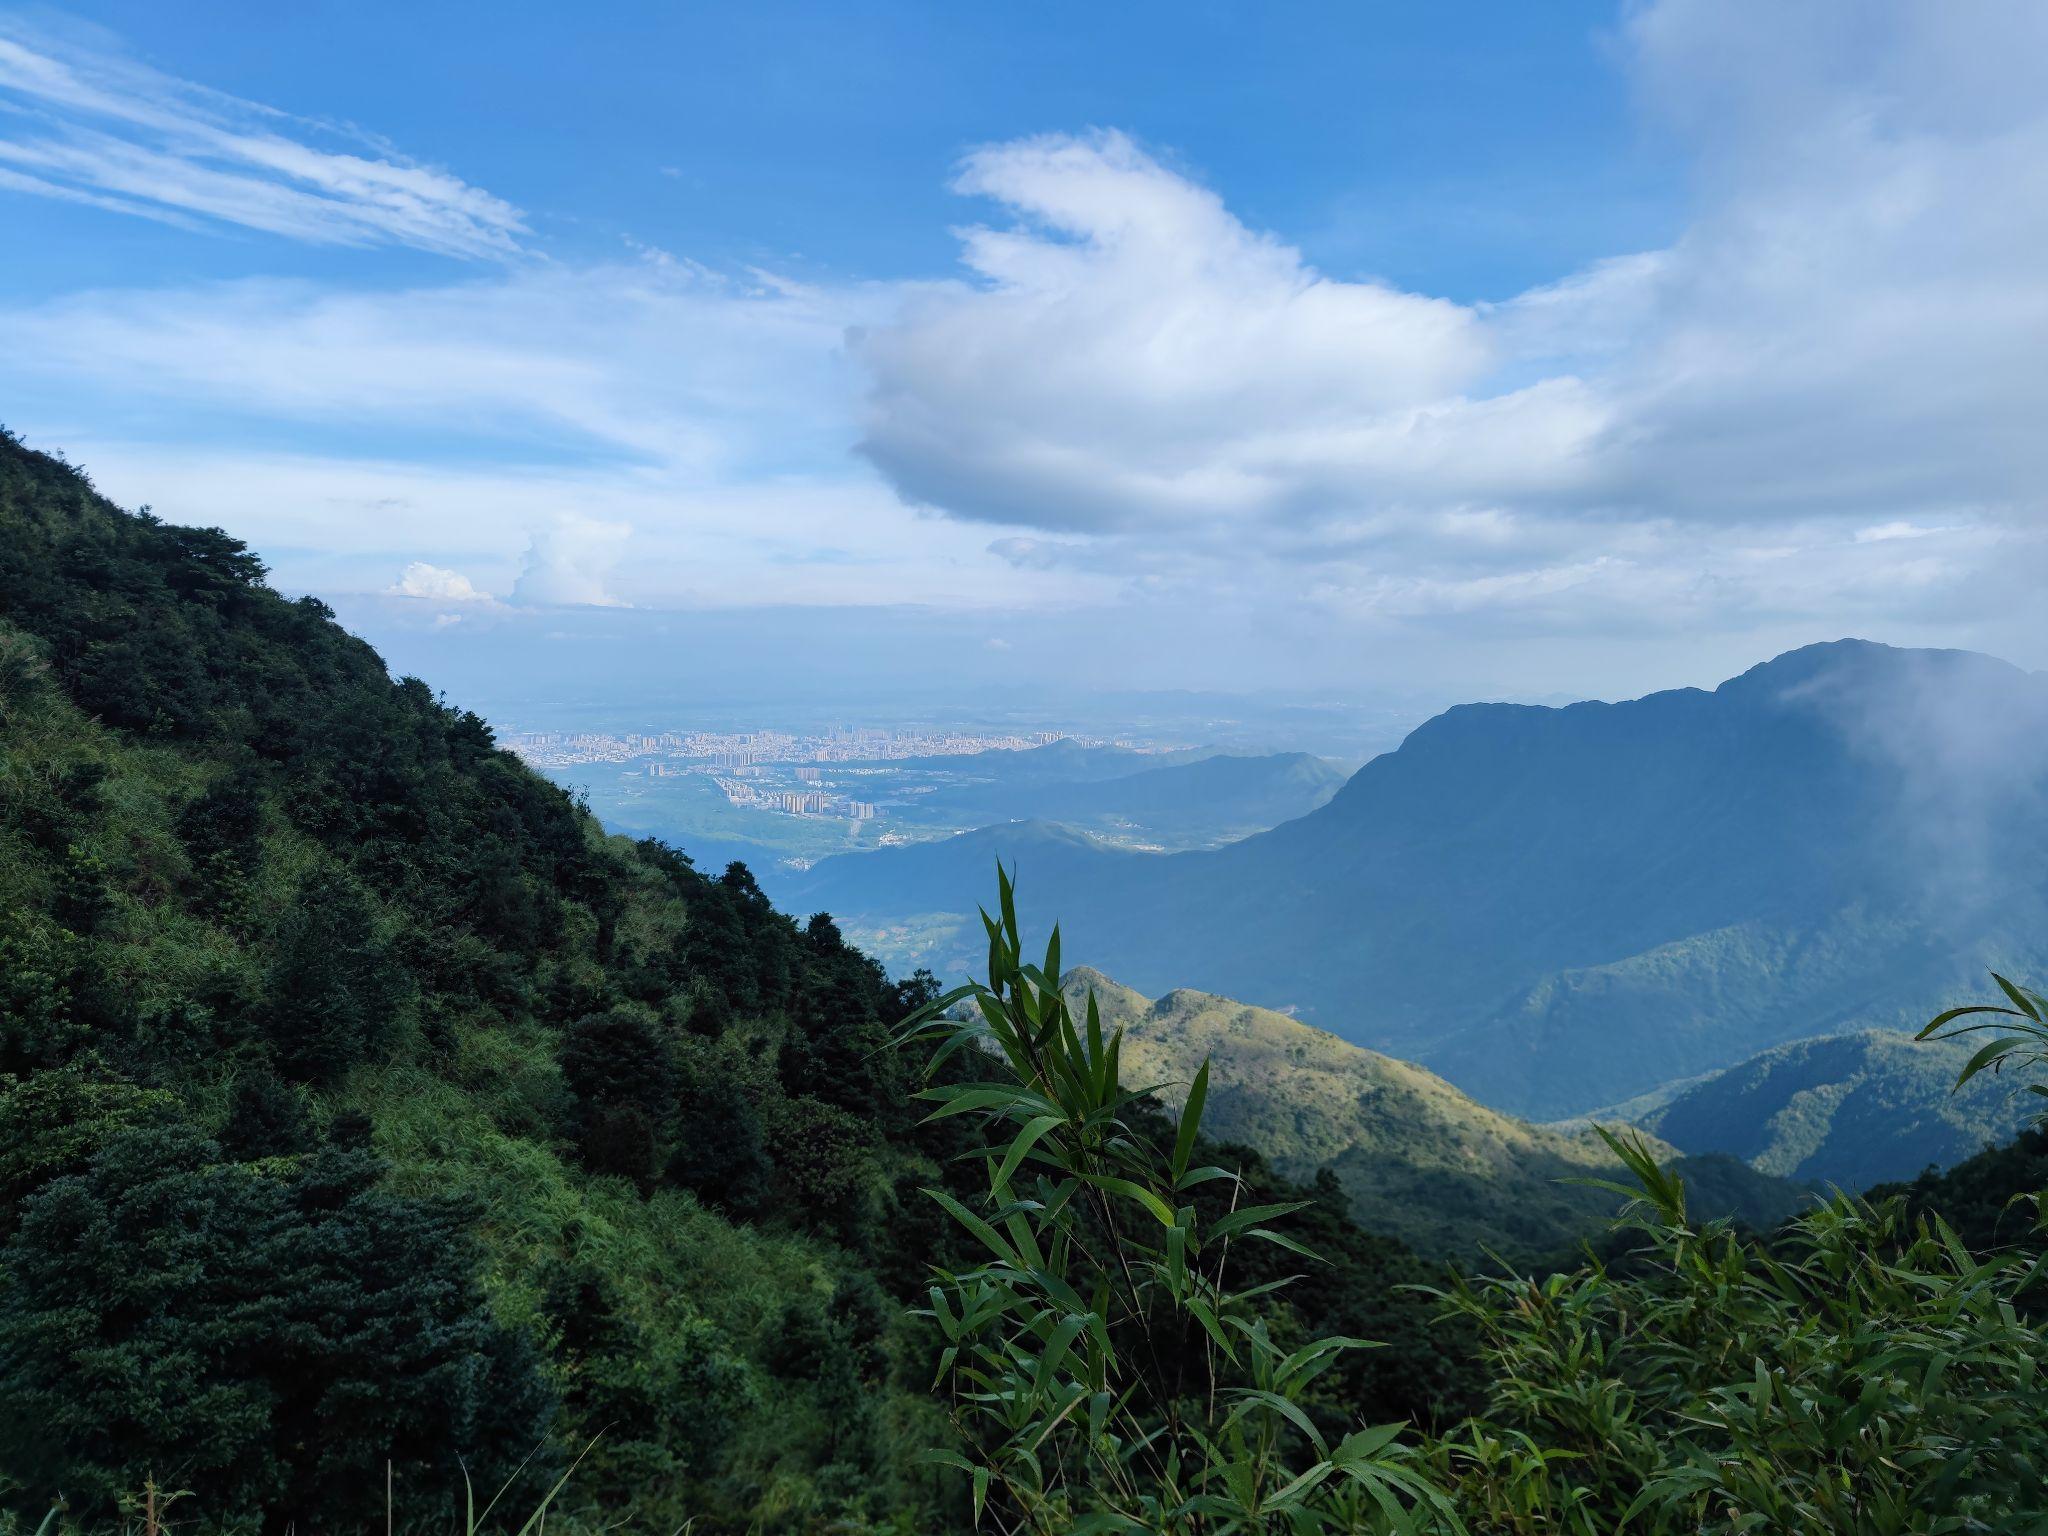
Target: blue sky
1484, 348
818, 136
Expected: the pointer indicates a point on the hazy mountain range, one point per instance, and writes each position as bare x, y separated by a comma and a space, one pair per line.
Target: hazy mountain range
1557, 908
1170, 799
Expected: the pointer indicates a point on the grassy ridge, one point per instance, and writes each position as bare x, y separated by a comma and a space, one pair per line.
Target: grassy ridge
1417, 1158
1852, 1110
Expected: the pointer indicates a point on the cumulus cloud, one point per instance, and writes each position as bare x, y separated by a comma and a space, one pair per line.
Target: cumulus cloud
569, 563
1131, 353
94, 127
433, 583
1841, 348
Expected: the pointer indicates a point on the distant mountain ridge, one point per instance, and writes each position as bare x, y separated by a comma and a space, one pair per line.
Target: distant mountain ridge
1193, 798
1064, 761
1560, 908
1418, 1159
1214, 797
1852, 1110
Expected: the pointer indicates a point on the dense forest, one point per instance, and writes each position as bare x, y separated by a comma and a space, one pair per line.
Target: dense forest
371, 1120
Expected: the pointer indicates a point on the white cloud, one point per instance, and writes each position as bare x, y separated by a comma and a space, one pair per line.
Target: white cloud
664, 362
332, 524
95, 127
436, 584
569, 563
1842, 345
1132, 354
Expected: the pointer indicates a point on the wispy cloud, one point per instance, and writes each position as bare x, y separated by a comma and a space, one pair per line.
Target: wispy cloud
89, 126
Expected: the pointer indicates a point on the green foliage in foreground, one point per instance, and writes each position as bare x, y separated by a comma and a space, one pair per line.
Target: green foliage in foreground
1862, 1371
1106, 1368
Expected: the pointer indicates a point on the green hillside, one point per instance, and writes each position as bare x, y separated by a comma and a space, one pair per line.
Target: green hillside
361, 1100
1852, 1110
1417, 1158
405, 1049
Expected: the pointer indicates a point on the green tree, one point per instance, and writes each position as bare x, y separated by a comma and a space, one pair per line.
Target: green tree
264, 1341
335, 988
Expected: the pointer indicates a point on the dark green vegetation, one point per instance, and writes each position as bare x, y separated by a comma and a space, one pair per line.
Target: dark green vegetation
1416, 1158
1105, 1367
1850, 1110
361, 1100
1561, 908
364, 1100
1864, 1372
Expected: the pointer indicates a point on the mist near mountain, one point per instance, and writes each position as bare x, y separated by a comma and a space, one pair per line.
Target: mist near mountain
1558, 908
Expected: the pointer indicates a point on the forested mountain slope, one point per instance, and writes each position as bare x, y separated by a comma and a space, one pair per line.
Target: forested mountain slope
1417, 1158
362, 1100
1561, 908
1851, 1110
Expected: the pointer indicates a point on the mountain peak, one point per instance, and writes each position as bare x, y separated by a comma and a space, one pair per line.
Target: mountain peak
1853, 662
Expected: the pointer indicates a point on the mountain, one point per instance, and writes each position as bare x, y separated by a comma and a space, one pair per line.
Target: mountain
1056, 762
363, 1104
912, 906
1851, 1110
371, 1118
1417, 1158
1198, 802
1558, 908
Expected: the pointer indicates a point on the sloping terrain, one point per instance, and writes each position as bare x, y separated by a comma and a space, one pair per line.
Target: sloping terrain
1852, 1110
1418, 1159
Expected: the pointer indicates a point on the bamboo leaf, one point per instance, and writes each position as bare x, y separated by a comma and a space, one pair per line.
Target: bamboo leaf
1190, 1120
1020, 1148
